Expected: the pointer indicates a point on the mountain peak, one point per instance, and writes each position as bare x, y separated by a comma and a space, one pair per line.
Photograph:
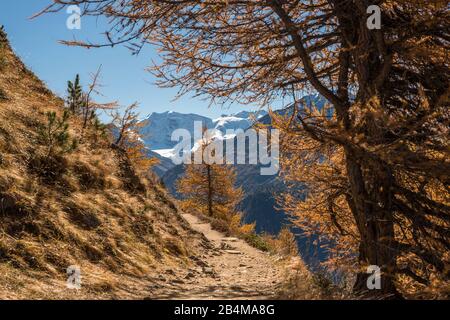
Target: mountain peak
157, 132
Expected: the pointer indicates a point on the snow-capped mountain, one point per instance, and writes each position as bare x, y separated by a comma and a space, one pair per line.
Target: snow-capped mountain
158, 127
242, 120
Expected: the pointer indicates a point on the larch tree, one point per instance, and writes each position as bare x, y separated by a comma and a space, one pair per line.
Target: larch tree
126, 123
82, 104
128, 137
89, 107
209, 187
387, 142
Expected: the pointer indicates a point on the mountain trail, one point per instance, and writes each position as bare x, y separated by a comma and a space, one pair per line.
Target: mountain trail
228, 268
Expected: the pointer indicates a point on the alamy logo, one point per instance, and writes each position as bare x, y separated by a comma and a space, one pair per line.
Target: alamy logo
74, 20
74, 277
235, 147
374, 280
374, 20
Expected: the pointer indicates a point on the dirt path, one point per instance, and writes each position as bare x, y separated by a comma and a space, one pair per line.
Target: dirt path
228, 269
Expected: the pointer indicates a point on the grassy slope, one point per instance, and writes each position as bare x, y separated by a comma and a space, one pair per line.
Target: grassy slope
121, 231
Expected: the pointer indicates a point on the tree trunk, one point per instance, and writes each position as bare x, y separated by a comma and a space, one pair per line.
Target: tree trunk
370, 204
210, 191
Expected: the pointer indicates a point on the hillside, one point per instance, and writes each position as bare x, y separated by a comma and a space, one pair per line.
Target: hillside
87, 208
91, 209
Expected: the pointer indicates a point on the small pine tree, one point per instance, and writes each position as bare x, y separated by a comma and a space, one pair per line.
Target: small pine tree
3, 95
3, 36
75, 95
55, 134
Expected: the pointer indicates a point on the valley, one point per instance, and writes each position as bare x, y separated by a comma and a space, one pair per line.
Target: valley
259, 204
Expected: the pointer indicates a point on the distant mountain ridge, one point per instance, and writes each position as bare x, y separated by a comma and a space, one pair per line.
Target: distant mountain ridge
158, 127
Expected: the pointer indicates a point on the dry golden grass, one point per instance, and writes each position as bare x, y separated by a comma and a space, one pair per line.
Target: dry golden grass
89, 209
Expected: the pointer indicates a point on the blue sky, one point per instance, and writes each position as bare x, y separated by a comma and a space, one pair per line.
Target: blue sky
123, 76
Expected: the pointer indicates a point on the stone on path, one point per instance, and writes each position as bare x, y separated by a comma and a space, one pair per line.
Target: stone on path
232, 251
230, 239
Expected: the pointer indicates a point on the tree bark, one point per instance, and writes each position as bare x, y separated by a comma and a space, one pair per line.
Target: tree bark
371, 207
210, 191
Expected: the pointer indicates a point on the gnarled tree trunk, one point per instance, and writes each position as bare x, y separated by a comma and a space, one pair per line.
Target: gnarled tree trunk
370, 203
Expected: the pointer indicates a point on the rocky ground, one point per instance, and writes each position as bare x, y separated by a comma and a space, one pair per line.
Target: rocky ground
228, 268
